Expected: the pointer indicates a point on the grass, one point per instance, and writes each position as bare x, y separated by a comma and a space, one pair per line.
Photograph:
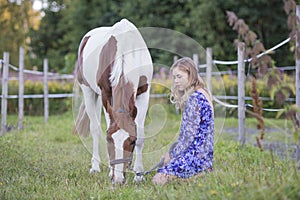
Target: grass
44, 161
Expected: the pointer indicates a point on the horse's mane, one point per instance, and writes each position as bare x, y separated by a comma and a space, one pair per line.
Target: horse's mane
122, 30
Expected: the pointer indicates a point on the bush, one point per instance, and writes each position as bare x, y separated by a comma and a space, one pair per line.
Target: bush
160, 86
227, 86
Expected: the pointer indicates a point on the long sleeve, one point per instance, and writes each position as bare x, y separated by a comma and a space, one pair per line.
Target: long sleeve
189, 126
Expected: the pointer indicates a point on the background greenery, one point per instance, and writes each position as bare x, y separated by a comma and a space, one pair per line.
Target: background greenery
57, 34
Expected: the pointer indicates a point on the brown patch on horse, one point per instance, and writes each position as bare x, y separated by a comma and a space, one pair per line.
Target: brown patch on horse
106, 62
124, 110
118, 101
143, 85
113, 127
110, 141
132, 107
111, 149
79, 66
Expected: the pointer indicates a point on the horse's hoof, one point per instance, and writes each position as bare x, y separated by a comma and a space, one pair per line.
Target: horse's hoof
92, 170
138, 179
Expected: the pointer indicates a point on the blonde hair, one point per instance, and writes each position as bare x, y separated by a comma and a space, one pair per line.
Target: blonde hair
179, 98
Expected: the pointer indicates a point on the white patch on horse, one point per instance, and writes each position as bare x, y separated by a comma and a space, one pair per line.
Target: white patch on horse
119, 137
117, 71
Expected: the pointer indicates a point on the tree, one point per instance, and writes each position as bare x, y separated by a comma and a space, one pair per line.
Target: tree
47, 41
64, 24
203, 20
15, 21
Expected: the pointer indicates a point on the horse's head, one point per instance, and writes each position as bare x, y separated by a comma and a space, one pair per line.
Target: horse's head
121, 134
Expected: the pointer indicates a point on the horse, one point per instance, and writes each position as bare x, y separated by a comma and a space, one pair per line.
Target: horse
114, 71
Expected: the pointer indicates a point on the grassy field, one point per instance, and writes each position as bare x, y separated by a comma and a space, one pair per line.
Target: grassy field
44, 161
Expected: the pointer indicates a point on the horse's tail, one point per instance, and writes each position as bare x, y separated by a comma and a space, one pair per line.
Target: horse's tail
82, 123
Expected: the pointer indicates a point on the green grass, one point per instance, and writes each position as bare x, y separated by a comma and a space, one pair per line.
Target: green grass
44, 161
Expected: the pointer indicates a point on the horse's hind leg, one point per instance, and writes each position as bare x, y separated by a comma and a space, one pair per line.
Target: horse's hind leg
92, 107
142, 102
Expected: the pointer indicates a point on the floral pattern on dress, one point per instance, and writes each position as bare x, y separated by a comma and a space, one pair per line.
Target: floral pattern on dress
194, 150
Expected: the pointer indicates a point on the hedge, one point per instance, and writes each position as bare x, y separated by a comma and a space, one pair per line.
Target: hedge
225, 86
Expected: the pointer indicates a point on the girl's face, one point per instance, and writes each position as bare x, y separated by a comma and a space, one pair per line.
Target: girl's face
181, 79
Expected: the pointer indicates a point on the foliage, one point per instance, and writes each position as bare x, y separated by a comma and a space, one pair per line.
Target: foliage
291, 113
203, 20
230, 85
64, 22
44, 161
264, 64
258, 113
231, 89
15, 22
290, 10
161, 86
47, 41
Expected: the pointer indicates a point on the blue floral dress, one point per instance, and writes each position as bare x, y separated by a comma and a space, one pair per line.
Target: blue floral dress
193, 152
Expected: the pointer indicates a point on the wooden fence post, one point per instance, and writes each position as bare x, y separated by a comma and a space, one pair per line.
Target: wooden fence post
209, 62
175, 58
196, 59
46, 100
298, 75
241, 92
4, 92
21, 89
76, 96
298, 59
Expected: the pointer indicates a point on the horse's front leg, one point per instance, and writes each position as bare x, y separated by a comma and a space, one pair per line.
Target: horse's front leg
92, 109
96, 133
142, 102
138, 163
95, 158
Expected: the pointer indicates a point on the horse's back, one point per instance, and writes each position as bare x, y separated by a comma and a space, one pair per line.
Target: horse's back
97, 37
132, 56
100, 35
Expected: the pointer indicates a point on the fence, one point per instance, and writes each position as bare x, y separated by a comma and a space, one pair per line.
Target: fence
241, 82
209, 63
5, 79
47, 76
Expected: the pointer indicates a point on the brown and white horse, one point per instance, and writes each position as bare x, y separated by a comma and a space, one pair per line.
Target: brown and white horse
114, 70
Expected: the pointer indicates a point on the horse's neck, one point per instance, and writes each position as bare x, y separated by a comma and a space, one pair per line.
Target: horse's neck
122, 94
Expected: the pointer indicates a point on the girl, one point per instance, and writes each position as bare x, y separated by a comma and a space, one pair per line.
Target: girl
193, 152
